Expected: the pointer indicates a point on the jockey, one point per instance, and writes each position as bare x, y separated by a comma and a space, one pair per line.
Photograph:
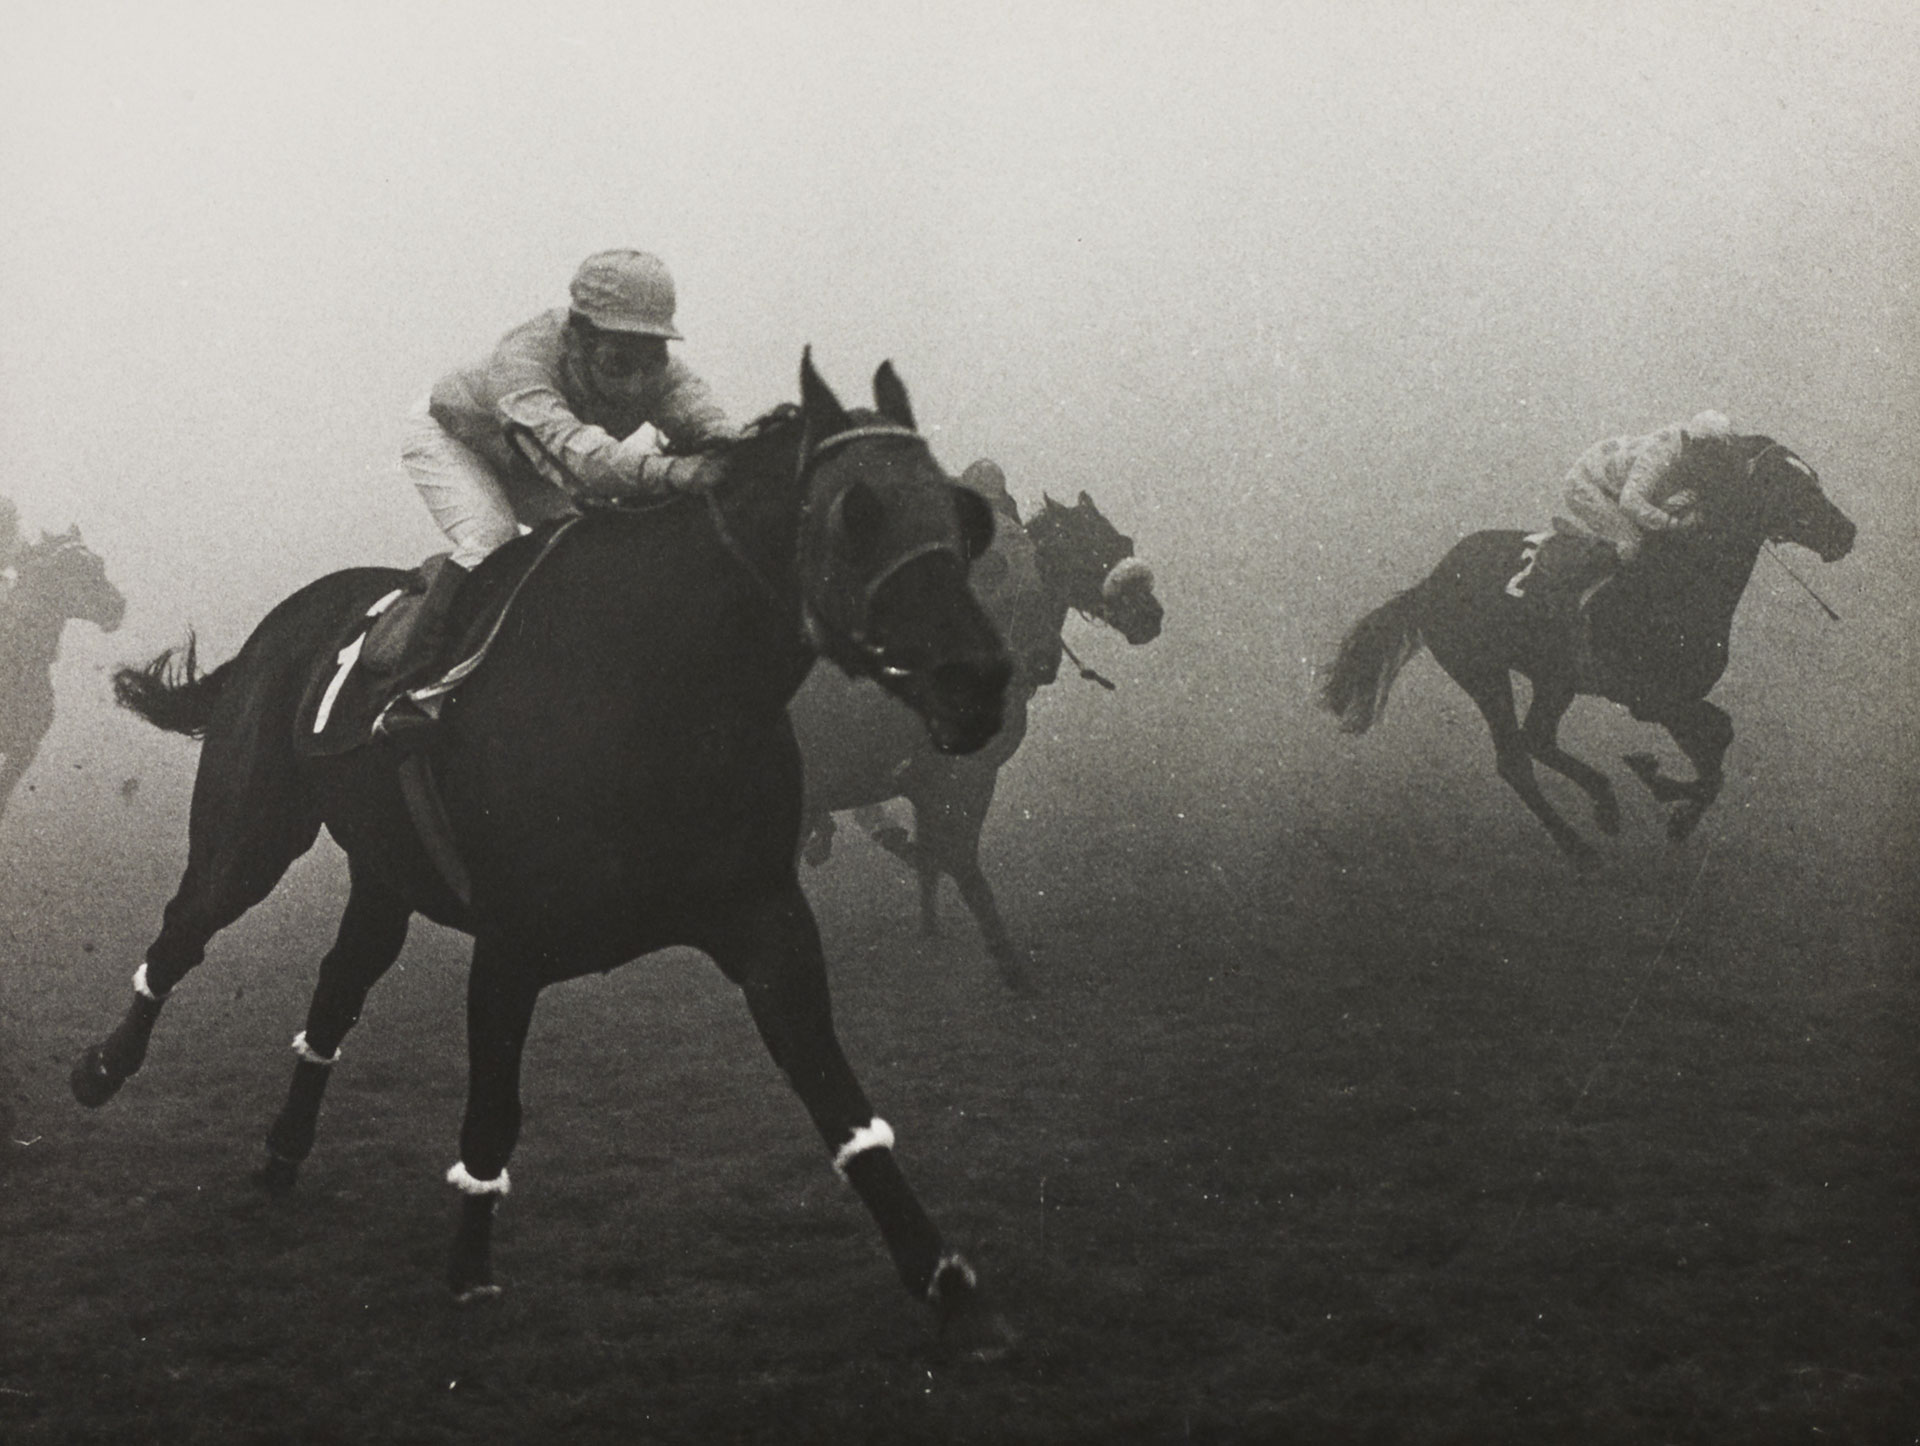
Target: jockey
1624, 488
595, 386
1007, 580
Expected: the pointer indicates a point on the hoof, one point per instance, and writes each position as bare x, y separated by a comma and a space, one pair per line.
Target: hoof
1014, 973
278, 1176
475, 1295
1684, 820
970, 1329
93, 1083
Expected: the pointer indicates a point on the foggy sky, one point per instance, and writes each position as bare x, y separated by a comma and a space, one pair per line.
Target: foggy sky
1300, 292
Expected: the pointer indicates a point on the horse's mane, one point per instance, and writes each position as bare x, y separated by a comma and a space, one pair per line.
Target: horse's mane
776, 419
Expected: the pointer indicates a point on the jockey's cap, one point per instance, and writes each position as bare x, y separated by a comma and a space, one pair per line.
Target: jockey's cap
625, 290
985, 477
1710, 424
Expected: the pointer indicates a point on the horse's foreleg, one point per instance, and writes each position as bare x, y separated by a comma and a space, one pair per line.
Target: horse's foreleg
502, 989
1704, 733
372, 931
771, 949
1493, 694
1551, 699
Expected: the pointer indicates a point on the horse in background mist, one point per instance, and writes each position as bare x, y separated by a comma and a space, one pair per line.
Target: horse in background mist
1653, 638
57, 580
863, 749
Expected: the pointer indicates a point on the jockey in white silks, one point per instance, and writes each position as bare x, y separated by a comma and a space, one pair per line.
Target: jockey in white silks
1626, 487
594, 386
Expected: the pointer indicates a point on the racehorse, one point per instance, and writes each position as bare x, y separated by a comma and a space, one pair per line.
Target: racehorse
59, 579
861, 748
619, 777
1653, 637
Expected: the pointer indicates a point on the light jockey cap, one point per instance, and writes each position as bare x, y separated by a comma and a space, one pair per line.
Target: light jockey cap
1710, 424
626, 290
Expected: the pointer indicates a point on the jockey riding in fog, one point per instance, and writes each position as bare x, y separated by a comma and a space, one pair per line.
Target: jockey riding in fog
595, 386
1624, 488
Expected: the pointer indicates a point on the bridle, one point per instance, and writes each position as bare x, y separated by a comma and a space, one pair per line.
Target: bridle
872, 654
536, 453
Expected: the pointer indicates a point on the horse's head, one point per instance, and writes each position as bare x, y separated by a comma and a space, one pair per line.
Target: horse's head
62, 575
885, 543
1779, 496
1091, 562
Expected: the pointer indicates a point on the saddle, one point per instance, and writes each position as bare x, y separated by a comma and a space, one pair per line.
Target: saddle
350, 684
1563, 571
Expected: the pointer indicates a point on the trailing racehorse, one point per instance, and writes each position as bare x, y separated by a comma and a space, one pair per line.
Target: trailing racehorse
619, 777
59, 580
1653, 637
861, 747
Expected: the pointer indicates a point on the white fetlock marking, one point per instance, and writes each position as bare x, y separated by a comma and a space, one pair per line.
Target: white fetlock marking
876, 1134
144, 989
466, 1184
954, 1261
311, 1055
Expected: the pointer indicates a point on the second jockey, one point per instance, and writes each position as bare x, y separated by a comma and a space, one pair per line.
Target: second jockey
594, 385
1622, 489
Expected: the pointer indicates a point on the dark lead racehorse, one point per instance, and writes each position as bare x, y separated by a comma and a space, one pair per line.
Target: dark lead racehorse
619, 777
58, 580
1654, 637
862, 749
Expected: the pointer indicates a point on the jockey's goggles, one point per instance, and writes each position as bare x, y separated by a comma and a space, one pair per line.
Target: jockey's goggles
619, 353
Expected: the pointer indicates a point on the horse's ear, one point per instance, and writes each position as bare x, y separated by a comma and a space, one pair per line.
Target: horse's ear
1047, 502
976, 521
890, 396
820, 410
1085, 501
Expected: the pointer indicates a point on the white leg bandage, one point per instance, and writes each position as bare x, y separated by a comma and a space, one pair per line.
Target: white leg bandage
467, 1185
309, 1054
953, 1261
143, 989
876, 1134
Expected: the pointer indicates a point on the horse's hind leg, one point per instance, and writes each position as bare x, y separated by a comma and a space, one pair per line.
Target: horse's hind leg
1492, 693
372, 931
1551, 699
947, 826
251, 818
1704, 733
771, 949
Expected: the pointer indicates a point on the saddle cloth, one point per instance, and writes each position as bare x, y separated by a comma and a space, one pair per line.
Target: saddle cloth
1563, 572
345, 695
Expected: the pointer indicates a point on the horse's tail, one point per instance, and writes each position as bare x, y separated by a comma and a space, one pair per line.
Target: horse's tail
1354, 687
171, 692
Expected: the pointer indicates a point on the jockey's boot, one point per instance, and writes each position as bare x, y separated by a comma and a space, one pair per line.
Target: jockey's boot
420, 654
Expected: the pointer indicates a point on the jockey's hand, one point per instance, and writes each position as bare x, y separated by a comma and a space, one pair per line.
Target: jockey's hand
1682, 508
667, 475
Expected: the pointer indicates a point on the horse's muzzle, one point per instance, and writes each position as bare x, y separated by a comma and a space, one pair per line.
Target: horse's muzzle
965, 704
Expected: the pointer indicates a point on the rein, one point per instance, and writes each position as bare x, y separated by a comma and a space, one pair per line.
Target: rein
1085, 671
1767, 543
1787, 568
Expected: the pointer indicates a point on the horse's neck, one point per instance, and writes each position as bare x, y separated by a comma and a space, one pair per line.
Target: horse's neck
1709, 573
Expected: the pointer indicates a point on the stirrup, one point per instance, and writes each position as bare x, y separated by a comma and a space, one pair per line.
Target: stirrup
409, 716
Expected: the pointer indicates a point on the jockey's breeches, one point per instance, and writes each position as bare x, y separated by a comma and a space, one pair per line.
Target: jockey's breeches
474, 505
